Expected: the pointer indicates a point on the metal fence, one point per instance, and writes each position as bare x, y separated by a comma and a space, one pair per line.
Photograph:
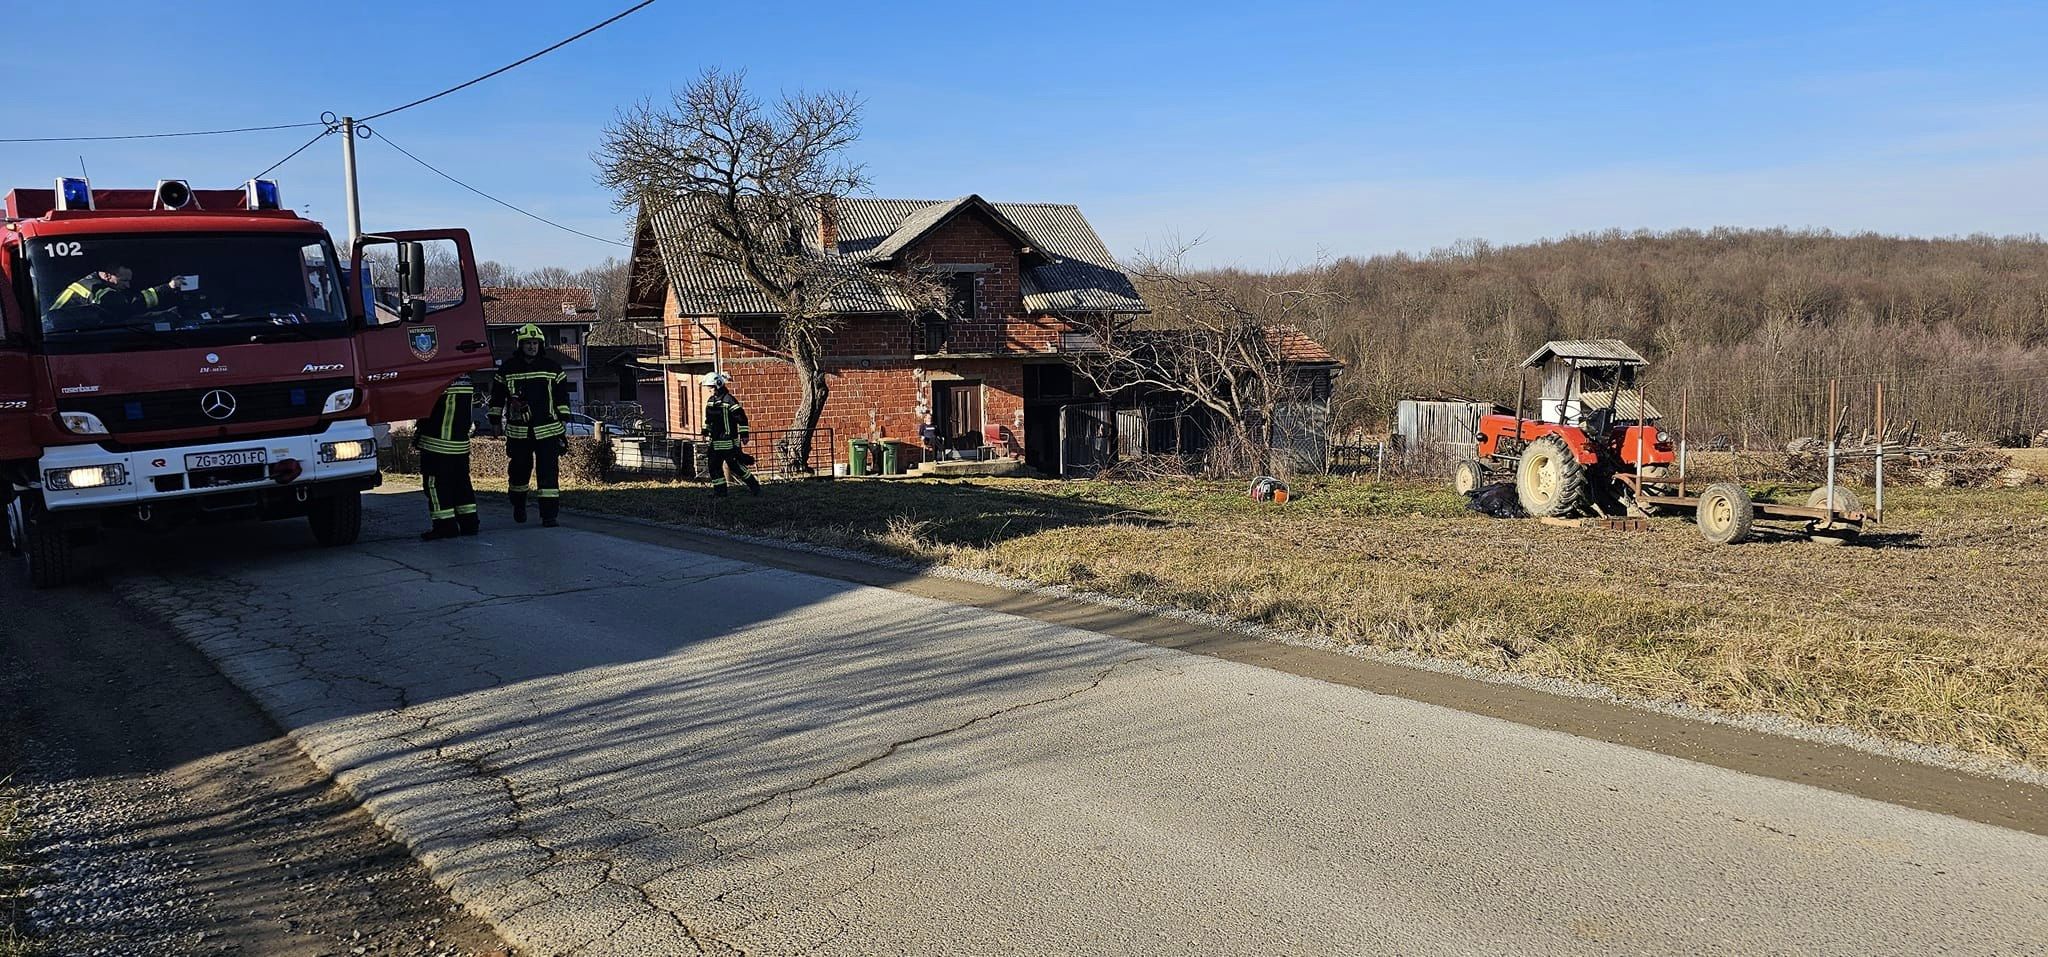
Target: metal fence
655, 455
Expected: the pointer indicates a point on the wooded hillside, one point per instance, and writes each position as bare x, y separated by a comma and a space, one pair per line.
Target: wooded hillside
1752, 321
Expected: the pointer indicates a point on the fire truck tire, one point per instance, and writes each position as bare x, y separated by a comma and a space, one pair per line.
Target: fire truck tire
1550, 481
1467, 477
1725, 514
336, 520
52, 557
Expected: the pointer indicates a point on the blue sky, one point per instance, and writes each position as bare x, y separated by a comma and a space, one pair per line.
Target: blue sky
1272, 132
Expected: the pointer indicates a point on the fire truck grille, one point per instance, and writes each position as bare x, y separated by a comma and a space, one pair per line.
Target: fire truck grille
198, 408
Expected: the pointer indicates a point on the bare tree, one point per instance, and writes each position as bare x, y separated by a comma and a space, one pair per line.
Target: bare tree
1211, 346
744, 178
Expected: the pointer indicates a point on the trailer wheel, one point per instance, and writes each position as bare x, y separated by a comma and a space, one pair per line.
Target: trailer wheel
52, 557
1726, 514
1550, 480
1468, 477
337, 519
1845, 500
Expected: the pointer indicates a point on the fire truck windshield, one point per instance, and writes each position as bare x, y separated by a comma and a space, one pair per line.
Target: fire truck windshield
130, 293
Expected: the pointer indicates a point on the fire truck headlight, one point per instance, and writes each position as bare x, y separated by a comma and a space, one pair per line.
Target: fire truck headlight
1663, 437
348, 451
91, 476
81, 423
341, 400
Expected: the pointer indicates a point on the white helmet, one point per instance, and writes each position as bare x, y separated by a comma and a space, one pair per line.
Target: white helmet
718, 379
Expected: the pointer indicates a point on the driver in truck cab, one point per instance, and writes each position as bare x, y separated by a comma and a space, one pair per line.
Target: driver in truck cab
109, 289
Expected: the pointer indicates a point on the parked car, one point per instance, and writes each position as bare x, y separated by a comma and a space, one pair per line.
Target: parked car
585, 426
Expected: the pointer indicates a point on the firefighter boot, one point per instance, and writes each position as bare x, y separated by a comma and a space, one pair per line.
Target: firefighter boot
753, 485
443, 528
519, 507
468, 523
549, 508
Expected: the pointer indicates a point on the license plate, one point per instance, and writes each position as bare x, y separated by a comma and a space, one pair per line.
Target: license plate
222, 460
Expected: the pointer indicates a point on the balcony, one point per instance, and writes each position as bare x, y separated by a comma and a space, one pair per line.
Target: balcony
684, 345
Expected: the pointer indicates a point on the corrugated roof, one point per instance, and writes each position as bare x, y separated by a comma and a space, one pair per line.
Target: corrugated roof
518, 305
1607, 350
1072, 271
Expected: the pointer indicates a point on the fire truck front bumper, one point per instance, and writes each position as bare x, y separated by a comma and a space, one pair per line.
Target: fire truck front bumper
85, 477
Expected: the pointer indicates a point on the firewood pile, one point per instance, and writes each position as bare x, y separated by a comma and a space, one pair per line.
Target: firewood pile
2041, 439
1947, 460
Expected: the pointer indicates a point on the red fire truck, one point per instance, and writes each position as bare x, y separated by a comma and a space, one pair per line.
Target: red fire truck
171, 355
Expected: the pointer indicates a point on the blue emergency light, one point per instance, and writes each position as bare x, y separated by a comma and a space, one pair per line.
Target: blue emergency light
74, 192
263, 194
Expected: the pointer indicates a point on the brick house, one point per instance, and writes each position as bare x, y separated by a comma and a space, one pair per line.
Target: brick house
1029, 279
564, 313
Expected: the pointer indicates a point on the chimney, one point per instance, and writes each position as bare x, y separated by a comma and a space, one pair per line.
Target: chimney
828, 222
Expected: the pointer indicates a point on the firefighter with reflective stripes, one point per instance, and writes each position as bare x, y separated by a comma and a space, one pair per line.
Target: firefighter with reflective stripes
443, 441
109, 290
530, 407
725, 424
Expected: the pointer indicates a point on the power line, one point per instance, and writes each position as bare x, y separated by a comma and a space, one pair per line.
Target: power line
523, 212
519, 62
317, 137
153, 136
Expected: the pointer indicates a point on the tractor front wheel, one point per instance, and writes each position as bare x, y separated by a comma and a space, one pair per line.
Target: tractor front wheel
1468, 477
1551, 481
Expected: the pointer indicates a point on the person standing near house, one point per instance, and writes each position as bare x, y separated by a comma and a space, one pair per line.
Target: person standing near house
530, 406
442, 439
725, 424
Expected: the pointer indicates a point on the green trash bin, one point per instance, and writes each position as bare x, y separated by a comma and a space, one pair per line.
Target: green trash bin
891, 458
857, 457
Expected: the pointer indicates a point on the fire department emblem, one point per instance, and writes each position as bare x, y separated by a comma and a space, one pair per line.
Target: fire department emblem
425, 342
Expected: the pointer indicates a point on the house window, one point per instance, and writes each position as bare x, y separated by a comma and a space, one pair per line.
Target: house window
565, 336
935, 333
963, 302
629, 384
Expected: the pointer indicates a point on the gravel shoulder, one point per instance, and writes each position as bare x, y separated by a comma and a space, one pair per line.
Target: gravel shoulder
160, 812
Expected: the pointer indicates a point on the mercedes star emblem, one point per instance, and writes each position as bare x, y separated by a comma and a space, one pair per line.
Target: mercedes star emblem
218, 404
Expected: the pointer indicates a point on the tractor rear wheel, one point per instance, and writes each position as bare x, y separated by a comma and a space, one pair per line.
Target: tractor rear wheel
1726, 514
1551, 482
1468, 477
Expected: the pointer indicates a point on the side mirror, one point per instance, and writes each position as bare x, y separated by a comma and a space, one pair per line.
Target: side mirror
412, 269
413, 310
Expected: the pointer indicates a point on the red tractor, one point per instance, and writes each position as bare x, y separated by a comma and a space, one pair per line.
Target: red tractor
1594, 443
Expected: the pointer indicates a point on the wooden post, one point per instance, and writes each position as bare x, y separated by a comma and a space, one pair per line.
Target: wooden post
1684, 401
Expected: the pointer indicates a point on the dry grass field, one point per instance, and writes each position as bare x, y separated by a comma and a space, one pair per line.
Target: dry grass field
1929, 630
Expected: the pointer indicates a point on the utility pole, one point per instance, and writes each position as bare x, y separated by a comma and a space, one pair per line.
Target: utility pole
348, 172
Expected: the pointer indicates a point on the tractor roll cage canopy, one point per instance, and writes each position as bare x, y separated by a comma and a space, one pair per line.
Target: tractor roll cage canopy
1580, 375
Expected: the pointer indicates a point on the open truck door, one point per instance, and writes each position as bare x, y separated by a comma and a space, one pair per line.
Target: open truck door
17, 390
423, 318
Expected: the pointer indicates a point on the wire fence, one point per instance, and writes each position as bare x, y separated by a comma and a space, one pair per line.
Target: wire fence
652, 455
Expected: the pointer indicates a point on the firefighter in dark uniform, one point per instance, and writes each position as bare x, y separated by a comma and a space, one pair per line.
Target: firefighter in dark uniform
443, 440
530, 407
109, 290
725, 424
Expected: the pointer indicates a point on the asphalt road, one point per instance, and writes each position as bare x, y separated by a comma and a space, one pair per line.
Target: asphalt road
607, 746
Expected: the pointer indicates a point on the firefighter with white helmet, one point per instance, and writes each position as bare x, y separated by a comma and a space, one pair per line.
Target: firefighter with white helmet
530, 407
725, 424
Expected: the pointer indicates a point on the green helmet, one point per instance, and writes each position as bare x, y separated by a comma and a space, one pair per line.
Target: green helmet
530, 331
